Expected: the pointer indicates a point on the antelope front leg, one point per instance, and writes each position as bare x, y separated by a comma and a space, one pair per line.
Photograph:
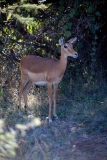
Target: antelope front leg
54, 99
50, 101
20, 94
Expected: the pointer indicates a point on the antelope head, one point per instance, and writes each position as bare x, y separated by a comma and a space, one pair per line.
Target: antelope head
67, 48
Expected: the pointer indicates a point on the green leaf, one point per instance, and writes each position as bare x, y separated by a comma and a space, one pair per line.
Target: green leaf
95, 37
73, 12
61, 8
98, 14
1, 92
9, 16
96, 27
80, 45
69, 25
71, 15
93, 30
93, 19
93, 59
90, 9
94, 49
77, 13
67, 33
92, 54
65, 27
94, 42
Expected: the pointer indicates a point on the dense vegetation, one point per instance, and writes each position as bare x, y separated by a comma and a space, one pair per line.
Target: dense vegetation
34, 27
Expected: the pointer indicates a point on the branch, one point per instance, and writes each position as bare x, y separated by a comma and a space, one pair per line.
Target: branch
13, 57
31, 44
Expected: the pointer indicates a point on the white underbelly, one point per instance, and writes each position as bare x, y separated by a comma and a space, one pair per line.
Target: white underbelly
43, 83
40, 83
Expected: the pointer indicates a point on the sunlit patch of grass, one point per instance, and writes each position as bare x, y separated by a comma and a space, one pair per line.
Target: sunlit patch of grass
38, 106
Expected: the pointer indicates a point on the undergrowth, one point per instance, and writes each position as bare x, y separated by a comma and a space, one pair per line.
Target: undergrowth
80, 101
82, 109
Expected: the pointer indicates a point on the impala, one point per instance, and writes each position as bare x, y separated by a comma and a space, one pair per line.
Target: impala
45, 71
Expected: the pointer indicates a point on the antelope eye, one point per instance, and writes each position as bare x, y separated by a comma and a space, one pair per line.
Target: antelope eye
65, 46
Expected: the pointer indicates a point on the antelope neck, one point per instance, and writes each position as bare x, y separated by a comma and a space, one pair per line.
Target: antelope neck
63, 62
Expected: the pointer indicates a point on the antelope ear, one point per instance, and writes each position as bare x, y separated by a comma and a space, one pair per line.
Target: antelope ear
61, 41
73, 40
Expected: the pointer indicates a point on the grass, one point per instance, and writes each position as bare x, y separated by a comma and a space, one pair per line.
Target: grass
84, 108
82, 119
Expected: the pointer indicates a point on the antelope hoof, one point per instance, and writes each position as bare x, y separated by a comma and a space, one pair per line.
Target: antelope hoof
56, 117
50, 120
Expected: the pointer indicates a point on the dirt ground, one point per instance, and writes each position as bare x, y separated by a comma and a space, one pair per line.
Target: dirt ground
64, 140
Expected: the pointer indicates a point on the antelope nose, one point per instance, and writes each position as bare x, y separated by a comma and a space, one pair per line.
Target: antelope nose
75, 55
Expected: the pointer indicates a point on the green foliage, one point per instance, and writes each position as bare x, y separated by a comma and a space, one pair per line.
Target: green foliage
29, 28
82, 20
90, 9
98, 13
1, 92
8, 143
8, 139
35, 29
80, 45
67, 34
